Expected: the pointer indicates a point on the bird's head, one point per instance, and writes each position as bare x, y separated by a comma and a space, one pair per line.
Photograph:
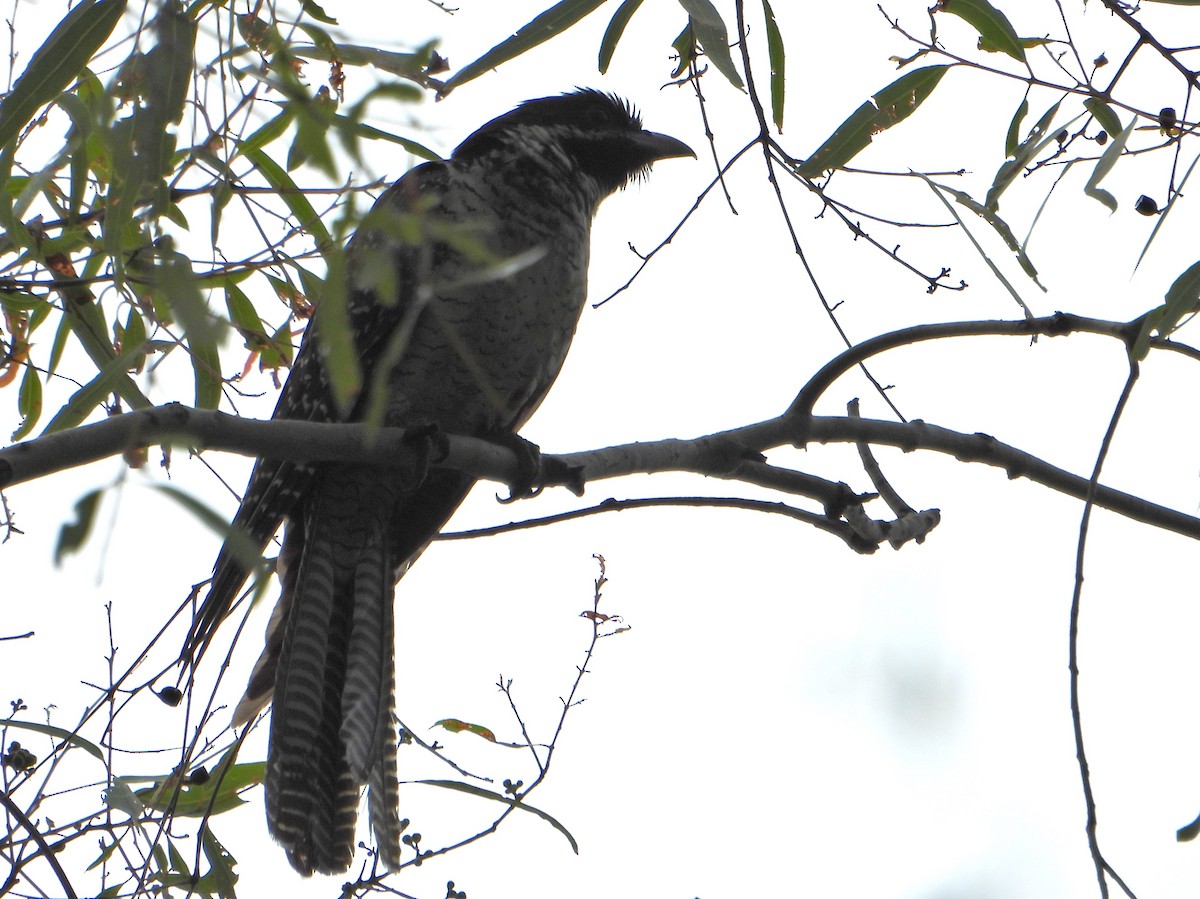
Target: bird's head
600, 134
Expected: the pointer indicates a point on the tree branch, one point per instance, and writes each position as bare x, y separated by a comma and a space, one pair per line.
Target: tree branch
730, 455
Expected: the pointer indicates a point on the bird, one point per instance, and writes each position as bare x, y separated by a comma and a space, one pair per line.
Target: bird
464, 285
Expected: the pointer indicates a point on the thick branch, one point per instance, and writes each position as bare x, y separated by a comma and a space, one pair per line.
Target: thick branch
299, 441
730, 455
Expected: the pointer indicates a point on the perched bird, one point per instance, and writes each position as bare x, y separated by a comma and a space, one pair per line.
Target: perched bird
445, 337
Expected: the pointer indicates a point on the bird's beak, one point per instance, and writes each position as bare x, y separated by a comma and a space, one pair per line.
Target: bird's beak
656, 146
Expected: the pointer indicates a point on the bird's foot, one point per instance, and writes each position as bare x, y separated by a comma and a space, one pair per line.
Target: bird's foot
428, 446
535, 471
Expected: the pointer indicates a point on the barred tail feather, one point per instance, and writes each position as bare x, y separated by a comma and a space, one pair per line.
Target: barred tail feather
331, 732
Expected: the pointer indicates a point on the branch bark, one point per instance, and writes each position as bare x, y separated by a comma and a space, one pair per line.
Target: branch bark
734, 455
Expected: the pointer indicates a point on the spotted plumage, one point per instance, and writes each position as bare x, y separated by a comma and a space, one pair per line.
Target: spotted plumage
446, 333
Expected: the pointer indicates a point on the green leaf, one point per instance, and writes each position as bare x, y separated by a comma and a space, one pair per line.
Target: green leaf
242, 547
507, 800
993, 26
219, 794
891, 105
312, 9
1025, 151
58, 733
999, 275
337, 335
616, 28
684, 46
172, 278
369, 132
73, 534
1000, 227
1105, 117
1028, 43
266, 133
901, 98
548, 24
713, 37
84, 400
29, 402
220, 878
206, 372
58, 62
1183, 299
1104, 165
293, 197
776, 56
132, 334
456, 727
1014, 129
169, 63
78, 155
244, 317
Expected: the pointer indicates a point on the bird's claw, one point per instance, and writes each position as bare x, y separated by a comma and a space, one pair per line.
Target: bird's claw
535, 471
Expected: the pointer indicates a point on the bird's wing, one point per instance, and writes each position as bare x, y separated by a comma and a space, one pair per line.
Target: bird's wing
276, 485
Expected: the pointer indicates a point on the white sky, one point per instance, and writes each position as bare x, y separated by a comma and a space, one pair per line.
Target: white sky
785, 718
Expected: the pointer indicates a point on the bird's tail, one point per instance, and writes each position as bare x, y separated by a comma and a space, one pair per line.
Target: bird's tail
329, 664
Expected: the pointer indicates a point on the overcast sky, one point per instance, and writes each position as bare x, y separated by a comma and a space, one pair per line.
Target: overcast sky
784, 717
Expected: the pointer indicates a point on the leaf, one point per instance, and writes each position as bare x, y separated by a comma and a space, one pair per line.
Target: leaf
29, 402
311, 8
169, 63
999, 275
292, 196
119, 796
1104, 165
891, 105
1000, 227
455, 727
236, 541
50, 730
406, 65
776, 56
993, 26
218, 794
1025, 151
266, 133
541, 28
363, 130
58, 62
73, 534
220, 878
616, 28
1183, 298
84, 400
172, 277
1028, 43
684, 46
507, 800
1014, 129
244, 317
337, 334
712, 36
1105, 117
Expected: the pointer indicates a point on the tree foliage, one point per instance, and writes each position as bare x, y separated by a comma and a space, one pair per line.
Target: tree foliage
160, 218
